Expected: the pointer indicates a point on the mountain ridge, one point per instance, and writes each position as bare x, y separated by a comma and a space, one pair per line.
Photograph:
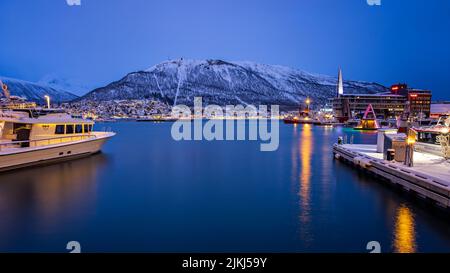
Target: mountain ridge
35, 92
70, 85
224, 82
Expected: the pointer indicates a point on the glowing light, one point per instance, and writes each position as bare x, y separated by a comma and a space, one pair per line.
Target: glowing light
405, 234
306, 147
47, 98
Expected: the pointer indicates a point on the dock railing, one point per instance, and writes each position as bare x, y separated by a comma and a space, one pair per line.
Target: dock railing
44, 141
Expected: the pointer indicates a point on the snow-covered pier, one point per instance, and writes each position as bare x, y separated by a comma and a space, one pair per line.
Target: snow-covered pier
429, 178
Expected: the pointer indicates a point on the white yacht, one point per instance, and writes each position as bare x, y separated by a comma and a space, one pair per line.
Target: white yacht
434, 139
33, 136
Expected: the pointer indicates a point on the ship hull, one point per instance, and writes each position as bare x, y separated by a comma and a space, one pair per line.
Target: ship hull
50, 154
299, 121
365, 129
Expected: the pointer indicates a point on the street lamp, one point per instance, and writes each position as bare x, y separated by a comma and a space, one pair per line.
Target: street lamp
308, 101
47, 98
410, 141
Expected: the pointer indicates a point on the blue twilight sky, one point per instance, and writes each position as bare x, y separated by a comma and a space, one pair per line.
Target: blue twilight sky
102, 40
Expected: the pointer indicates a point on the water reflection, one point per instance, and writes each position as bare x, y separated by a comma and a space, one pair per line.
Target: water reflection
294, 158
404, 232
326, 165
305, 147
48, 193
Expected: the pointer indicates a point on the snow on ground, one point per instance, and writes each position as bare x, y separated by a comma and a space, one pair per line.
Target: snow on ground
241, 101
182, 75
432, 164
425, 164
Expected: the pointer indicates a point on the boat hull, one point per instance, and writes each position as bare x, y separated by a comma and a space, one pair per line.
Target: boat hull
365, 129
50, 154
299, 121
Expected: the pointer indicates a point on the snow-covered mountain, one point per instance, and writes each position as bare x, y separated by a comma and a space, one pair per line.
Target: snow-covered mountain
61, 83
220, 82
36, 92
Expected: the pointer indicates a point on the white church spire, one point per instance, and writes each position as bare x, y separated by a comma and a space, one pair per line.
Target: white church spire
340, 86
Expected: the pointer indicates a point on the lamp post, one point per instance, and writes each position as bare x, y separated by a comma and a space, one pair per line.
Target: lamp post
47, 98
410, 141
308, 102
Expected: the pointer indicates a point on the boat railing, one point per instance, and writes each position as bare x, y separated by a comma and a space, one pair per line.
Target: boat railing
106, 129
45, 141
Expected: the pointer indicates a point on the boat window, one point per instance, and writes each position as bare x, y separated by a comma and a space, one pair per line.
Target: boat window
59, 130
86, 128
69, 129
427, 137
90, 127
78, 129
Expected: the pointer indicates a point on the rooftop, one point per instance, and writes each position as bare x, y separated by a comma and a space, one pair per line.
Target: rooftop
440, 108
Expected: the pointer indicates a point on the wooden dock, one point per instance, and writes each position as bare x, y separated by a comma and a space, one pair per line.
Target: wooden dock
429, 179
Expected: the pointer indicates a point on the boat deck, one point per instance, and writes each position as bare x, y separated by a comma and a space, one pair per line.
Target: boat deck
8, 147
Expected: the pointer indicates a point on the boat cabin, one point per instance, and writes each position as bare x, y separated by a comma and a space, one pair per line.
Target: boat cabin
31, 129
430, 134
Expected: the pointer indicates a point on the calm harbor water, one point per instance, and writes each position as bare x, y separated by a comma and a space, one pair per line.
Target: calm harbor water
146, 192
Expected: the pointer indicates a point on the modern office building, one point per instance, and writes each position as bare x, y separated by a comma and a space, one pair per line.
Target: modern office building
419, 100
386, 105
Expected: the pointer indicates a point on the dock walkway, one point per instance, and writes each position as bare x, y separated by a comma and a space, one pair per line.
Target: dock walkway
430, 176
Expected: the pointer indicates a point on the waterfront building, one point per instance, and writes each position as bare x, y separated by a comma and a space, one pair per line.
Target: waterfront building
419, 100
387, 105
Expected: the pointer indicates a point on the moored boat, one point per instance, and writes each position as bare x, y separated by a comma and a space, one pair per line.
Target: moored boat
40, 136
297, 120
434, 139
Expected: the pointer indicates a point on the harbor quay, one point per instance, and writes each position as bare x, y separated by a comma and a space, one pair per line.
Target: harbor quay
428, 178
